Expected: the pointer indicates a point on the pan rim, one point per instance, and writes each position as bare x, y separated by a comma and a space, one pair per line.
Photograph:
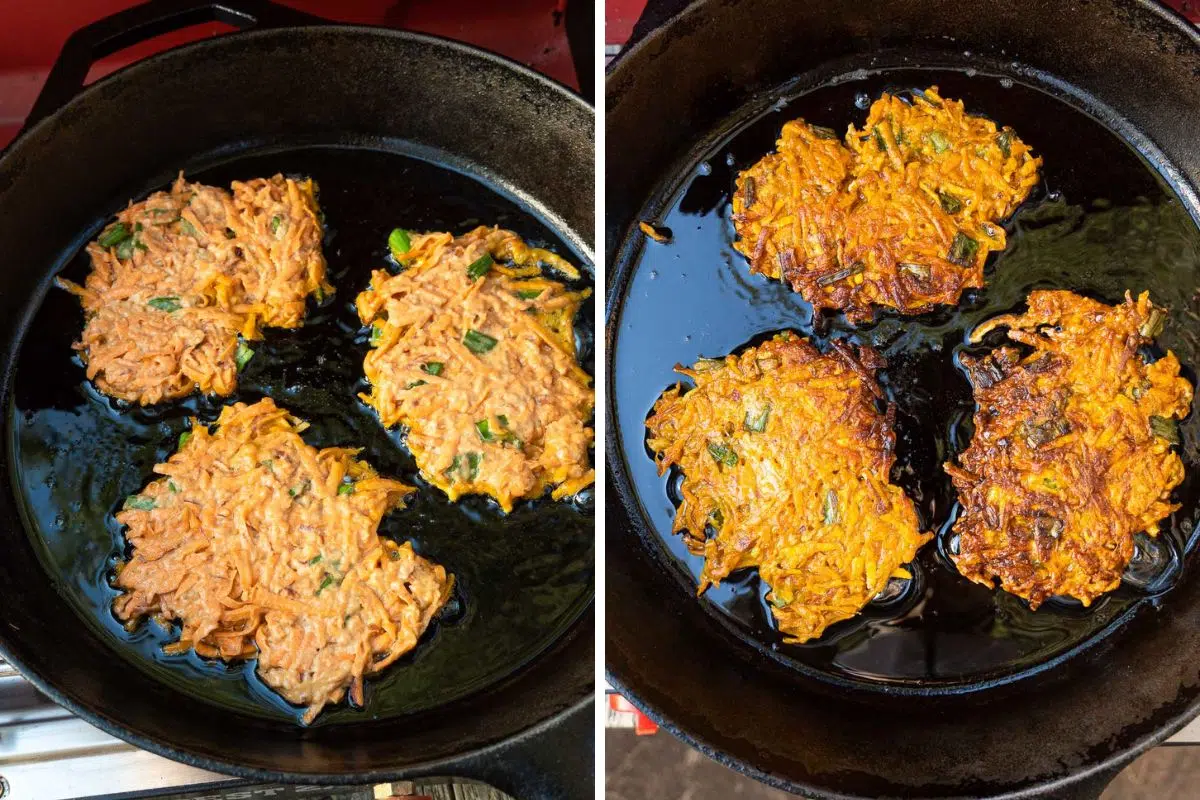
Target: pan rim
583, 624
153, 62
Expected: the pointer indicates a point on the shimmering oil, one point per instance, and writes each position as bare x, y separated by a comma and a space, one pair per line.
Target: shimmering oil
1102, 222
521, 578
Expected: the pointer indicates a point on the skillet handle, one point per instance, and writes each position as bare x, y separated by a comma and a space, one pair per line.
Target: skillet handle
142, 23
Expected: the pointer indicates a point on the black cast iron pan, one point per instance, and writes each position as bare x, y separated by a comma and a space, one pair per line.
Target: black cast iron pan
950, 689
398, 130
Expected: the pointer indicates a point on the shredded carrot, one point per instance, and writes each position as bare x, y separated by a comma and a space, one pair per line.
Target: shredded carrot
178, 277
279, 561
481, 367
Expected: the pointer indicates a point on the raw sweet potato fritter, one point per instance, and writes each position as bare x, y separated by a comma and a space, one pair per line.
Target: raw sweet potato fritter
261, 545
476, 358
181, 275
786, 457
902, 215
1071, 455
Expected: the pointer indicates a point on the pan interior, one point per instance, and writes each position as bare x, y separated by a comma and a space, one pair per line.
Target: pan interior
1102, 222
521, 579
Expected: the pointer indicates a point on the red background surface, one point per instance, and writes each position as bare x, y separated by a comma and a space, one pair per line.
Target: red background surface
620, 15
33, 31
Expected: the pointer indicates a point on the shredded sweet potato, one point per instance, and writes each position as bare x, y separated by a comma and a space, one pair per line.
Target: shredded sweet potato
263, 546
786, 458
180, 276
1071, 455
902, 215
477, 359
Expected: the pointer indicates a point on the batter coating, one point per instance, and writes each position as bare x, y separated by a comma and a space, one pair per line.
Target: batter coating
261, 545
1071, 454
786, 458
180, 276
902, 215
477, 360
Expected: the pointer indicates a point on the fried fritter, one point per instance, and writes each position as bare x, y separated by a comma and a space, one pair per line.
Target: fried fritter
902, 215
477, 359
1071, 455
181, 275
786, 457
263, 546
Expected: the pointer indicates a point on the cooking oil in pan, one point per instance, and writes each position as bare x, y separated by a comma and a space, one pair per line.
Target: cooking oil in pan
1101, 222
521, 579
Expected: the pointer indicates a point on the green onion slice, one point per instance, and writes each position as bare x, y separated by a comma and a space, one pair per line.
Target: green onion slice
168, 304
113, 235
478, 343
480, 266
243, 355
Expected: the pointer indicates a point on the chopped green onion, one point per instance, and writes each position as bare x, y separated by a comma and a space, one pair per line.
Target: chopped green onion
856, 268
394, 554
452, 468
171, 485
1004, 142
326, 583
722, 454
140, 503
125, 249
502, 419
1166, 428
830, 509
415, 384
823, 133
480, 266
399, 243
939, 141
315, 559
376, 332
276, 221
529, 294
950, 203
478, 343
433, 367
168, 304
113, 235
716, 518
243, 355
483, 428
757, 423
880, 142
319, 294
187, 228
183, 438
473, 460
229, 234
963, 250
346, 488
300, 488
1153, 325
778, 601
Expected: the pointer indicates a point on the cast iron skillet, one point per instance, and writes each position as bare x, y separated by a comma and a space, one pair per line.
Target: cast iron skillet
398, 129
949, 689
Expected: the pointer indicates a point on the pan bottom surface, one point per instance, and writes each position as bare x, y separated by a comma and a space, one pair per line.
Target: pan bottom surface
522, 579
1102, 221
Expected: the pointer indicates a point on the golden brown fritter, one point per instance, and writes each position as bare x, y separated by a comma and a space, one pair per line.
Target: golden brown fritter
1071, 454
902, 215
261, 545
477, 359
786, 455
181, 275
